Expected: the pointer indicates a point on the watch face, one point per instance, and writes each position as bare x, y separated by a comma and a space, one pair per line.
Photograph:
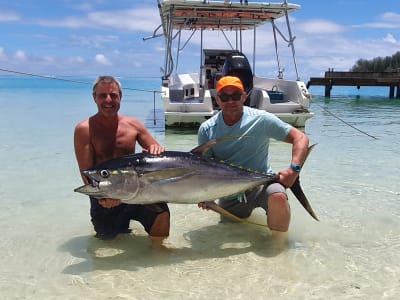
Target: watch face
296, 168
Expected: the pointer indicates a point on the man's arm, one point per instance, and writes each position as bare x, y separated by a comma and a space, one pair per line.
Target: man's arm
300, 144
83, 148
85, 157
147, 141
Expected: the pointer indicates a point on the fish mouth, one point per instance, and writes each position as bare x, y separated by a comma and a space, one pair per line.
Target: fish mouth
93, 189
94, 183
90, 189
93, 180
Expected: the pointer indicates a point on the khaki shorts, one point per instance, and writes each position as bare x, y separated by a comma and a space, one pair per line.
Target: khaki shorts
257, 197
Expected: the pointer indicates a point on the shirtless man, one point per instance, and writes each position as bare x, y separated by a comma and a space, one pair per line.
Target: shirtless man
108, 135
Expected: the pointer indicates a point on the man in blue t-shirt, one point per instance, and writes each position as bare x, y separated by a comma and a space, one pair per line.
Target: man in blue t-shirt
250, 151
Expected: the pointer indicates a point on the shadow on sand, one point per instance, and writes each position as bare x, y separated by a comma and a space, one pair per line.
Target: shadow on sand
133, 252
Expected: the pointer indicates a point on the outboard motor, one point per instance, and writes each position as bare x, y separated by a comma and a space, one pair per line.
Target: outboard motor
237, 64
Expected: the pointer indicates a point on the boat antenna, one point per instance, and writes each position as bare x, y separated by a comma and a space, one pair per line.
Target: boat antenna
177, 51
291, 41
274, 29
228, 41
154, 35
254, 49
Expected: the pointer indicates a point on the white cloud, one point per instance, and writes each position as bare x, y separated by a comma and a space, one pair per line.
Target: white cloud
20, 55
8, 16
145, 20
388, 20
319, 27
77, 59
69, 22
391, 17
94, 41
48, 59
3, 55
130, 19
101, 59
390, 39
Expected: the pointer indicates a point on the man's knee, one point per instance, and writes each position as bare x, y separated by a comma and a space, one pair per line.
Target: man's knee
278, 212
279, 199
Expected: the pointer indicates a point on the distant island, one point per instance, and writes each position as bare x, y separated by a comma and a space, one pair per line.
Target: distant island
378, 64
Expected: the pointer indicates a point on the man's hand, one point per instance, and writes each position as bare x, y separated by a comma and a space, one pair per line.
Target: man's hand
109, 203
204, 205
155, 149
287, 177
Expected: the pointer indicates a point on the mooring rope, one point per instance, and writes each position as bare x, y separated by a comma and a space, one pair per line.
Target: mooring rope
346, 123
69, 80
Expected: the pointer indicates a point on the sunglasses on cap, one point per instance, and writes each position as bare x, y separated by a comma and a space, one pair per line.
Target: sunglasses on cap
226, 97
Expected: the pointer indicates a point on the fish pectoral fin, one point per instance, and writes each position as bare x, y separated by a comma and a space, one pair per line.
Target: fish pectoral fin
167, 174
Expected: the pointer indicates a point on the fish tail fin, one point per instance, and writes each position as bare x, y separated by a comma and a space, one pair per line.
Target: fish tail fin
298, 192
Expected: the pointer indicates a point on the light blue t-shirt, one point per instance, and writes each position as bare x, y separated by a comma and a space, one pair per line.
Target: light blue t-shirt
250, 151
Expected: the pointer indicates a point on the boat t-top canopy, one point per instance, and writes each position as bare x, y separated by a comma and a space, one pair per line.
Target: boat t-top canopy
221, 15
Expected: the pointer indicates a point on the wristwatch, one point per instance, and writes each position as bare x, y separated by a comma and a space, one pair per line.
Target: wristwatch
295, 167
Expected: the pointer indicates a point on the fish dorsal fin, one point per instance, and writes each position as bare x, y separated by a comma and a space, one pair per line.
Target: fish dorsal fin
203, 148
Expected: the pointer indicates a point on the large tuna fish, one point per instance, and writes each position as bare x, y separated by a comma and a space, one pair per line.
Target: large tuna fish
175, 177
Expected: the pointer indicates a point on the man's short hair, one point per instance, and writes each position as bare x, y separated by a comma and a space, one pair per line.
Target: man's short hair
107, 79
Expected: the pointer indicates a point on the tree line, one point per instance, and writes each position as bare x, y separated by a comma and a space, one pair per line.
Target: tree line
378, 64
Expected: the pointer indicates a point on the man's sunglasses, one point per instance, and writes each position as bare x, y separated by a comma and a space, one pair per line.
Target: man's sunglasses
226, 97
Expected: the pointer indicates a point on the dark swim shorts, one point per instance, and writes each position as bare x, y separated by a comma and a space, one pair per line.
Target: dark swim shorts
108, 222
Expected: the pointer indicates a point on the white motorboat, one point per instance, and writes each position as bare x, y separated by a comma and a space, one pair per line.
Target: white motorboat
189, 98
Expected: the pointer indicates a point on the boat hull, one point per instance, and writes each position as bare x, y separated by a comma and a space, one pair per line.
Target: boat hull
185, 119
193, 120
290, 104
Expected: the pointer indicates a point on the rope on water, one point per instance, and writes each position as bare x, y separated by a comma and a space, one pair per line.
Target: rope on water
346, 123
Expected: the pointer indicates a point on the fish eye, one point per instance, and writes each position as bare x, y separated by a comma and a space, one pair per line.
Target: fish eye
104, 173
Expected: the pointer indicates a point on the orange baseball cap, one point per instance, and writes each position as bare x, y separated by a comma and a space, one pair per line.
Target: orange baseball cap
229, 81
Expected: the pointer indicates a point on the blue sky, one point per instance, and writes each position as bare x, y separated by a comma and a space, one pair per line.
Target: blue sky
95, 37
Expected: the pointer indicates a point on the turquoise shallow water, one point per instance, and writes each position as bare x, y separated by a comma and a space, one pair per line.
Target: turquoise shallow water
49, 252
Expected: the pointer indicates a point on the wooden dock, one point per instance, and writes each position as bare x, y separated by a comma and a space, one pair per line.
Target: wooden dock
358, 79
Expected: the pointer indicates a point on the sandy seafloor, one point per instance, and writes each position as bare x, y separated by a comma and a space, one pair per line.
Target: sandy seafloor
47, 246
